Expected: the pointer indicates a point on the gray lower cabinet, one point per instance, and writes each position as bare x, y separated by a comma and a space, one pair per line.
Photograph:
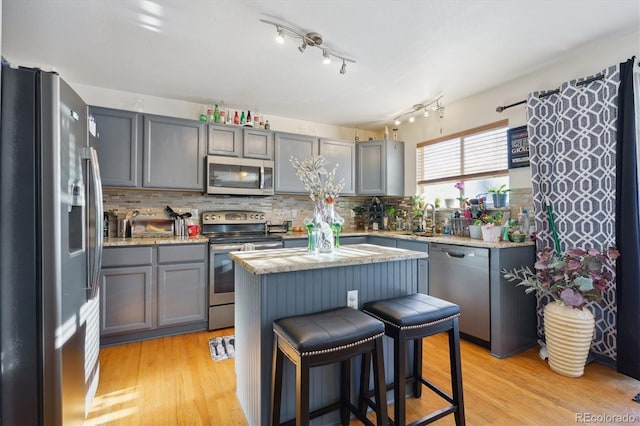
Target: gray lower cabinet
126, 299
174, 151
344, 155
380, 168
119, 146
382, 241
152, 291
224, 140
289, 145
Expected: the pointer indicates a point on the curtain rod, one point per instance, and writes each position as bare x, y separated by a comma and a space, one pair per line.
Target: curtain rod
553, 92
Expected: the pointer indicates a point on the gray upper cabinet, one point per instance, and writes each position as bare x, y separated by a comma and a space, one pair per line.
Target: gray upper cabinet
380, 168
289, 145
119, 146
174, 151
224, 140
257, 143
344, 154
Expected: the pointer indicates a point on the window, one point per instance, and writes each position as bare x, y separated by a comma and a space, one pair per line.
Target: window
477, 157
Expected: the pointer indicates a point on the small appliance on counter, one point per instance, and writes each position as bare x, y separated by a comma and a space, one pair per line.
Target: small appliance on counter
151, 227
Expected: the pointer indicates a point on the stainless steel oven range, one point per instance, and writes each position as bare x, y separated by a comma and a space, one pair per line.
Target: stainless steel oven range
231, 230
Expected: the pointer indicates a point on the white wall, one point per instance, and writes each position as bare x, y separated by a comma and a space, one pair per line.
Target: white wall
162, 106
481, 108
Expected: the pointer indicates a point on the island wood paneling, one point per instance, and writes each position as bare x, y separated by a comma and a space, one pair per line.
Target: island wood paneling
260, 299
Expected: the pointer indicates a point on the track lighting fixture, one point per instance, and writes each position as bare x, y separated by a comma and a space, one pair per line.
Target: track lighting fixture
309, 39
433, 103
326, 59
279, 36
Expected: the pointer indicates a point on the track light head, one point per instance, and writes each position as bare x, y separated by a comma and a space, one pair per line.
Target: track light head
426, 112
280, 35
326, 58
343, 68
302, 47
397, 122
412, 119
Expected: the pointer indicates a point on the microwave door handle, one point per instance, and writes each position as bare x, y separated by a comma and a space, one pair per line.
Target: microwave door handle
261, 177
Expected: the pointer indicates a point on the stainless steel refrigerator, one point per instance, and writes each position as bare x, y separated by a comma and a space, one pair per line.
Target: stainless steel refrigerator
50, 251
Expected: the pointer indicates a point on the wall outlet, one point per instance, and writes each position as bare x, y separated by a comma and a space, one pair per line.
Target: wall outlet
352, 299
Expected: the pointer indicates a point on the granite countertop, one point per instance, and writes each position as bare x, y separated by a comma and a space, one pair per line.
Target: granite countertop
403, 235
299, 259
443, 239
153, 241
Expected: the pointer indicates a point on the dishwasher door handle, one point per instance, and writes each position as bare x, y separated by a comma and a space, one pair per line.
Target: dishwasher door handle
458, 255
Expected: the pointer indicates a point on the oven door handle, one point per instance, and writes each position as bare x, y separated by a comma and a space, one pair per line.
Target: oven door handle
224, 248
263, 246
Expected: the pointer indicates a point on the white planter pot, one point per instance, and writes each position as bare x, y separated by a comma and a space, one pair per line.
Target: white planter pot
491, 234
475, 231
568, 333
450, 203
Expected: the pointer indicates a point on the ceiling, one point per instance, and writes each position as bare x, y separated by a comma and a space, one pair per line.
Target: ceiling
406, 51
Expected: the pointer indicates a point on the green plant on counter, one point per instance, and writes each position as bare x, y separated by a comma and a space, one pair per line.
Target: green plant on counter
502, 189
358, 210
418, 213
477, 222
437, 202
390, 210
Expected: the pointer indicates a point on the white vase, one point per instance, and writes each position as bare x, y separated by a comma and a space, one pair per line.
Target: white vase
568, 333
450, 203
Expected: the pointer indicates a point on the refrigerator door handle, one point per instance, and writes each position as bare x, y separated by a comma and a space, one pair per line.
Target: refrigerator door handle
92, 156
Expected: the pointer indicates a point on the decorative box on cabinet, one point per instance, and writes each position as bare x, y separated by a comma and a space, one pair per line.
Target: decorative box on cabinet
119, 146
380, 169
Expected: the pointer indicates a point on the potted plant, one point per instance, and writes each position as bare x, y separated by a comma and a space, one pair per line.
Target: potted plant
572, 280
499, 195
475, 229
437, 202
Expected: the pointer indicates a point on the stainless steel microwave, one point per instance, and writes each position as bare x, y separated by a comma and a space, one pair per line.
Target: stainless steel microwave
239, 176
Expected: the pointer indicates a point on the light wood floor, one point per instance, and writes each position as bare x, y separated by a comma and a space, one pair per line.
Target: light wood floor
174, 381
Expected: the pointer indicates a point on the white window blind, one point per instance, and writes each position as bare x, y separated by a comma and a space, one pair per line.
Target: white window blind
474, 153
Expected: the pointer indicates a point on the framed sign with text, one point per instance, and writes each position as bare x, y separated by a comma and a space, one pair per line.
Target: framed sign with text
518, 147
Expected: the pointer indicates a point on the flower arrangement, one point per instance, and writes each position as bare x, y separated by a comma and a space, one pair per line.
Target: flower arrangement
317, 180
578, 276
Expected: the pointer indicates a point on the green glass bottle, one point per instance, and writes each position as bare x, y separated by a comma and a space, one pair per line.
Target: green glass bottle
242, 118
216, 114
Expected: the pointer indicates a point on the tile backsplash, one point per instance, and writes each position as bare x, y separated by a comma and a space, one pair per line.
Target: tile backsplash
278, 208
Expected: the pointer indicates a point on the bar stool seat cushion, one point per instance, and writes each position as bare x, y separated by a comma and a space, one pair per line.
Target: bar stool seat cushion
413, 310
327, 330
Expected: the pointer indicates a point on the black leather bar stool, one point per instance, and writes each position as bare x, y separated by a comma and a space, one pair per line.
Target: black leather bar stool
412, 318
323, 338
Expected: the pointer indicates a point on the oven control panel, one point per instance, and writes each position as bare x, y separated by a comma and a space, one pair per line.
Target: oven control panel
232, 217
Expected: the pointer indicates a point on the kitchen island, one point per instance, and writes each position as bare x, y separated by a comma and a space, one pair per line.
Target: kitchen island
272, 284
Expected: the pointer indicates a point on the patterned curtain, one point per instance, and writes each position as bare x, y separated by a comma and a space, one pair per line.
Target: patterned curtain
572, 144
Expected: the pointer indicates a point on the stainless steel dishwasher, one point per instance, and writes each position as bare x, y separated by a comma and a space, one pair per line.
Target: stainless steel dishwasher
461, 275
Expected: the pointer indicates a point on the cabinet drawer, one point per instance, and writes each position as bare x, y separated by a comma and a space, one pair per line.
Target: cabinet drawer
126, 256
191, 253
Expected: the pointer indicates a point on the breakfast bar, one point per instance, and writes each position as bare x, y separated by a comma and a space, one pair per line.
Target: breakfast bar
272, 284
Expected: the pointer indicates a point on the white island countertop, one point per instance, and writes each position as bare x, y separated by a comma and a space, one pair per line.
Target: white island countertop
299, 259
